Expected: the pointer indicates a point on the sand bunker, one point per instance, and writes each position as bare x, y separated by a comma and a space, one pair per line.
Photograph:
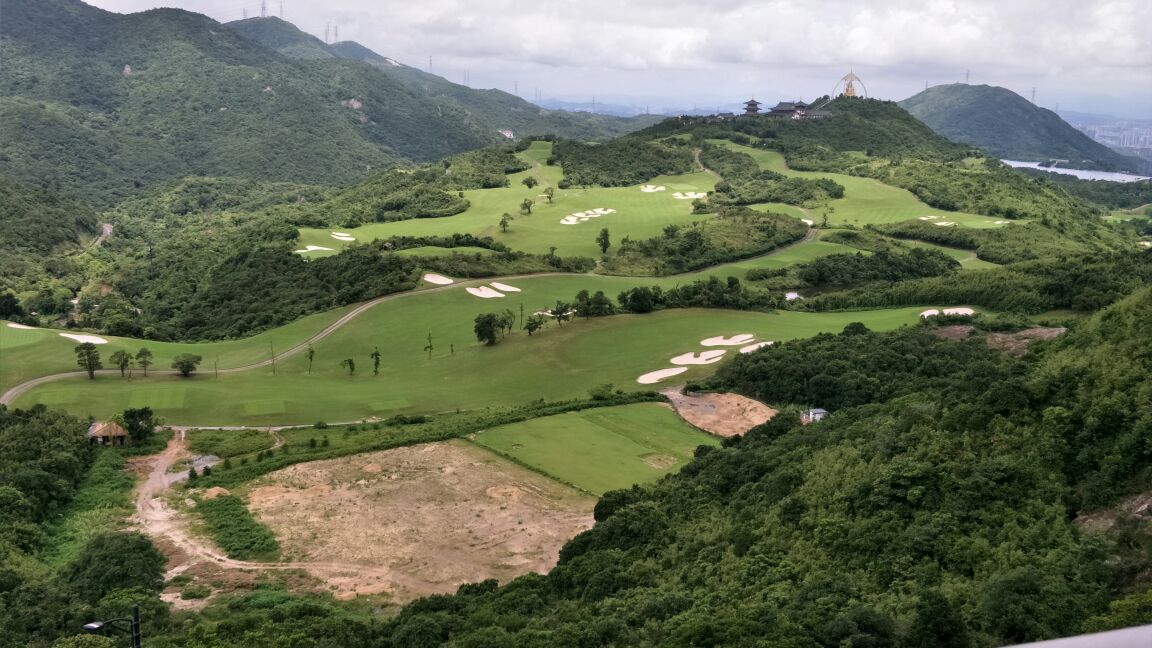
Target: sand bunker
931, 312
652, 188
755, 347
807, 222
84, 338
959, 311
689, 195
313, 248
20, 326
702, 358
341, 234
927, 218
735, 340
484, 292
653, 377
438, 279
580, 217
344, 237
1001, 222
792, 296
944, 224
504, 287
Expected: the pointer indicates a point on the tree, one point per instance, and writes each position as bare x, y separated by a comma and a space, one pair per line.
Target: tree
534, 323
144, 359
529, 182
115, 561
487, 326
139, 423
562, 312
603, 241
10, 306
122, 360
350, 364
504, 220
375, 355
507, 321
310, 353
548, 193
88, 357
526, 206
428, 347
186, 364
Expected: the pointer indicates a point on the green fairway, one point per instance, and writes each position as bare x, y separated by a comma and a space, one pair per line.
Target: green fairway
602, 449
638, 215
967, 258
555, 363
866, 201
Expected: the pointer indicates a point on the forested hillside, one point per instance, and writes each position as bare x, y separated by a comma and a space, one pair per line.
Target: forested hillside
1007, 125
104, 104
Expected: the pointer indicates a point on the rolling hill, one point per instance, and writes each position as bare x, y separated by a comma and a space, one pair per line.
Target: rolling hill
103, 104
1007, 125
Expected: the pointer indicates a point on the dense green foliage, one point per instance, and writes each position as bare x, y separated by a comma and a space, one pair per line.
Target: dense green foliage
746, 184
233, 528
847, 269
1007, 125
620, 162
1113, 195
1015, 242
734, 233
1083, 283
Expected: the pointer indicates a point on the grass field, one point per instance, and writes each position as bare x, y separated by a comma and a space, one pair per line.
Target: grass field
866, 201
638, 214
603, 449
555, 363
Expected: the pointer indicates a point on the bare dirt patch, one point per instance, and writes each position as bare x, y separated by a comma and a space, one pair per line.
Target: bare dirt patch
1016, 344
659, 461
958, 332
1137, 507
434, 517
724, 415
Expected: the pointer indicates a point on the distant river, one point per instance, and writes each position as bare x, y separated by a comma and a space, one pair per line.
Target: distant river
1083, 175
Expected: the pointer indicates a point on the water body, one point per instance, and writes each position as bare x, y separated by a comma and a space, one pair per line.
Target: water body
1079, 173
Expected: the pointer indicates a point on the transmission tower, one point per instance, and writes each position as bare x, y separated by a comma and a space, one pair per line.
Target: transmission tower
1033, 96
244, 13
327, 30
336, 33
263, 8
281, 9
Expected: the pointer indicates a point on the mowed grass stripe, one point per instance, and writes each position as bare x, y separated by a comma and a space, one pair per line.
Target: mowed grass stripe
601, 450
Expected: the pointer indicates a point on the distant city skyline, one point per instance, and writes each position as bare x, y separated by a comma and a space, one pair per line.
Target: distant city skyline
1088, 56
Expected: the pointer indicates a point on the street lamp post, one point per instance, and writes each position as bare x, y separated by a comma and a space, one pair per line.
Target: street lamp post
133, 628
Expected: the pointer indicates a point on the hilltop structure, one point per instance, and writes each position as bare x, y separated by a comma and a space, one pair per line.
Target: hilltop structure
751, 107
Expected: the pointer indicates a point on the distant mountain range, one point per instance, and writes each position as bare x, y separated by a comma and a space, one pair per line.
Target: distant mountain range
101, 104
1007, 125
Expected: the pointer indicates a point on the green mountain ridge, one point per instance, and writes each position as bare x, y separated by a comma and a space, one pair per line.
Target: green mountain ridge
1007, 125
102, 104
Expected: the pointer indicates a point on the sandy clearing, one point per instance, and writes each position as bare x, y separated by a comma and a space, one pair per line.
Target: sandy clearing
484, 292
22, 327
84, 338
735, 340
314, 248
653, 377
756, 347
931, 312
648, 188
702, 358
438, 279
689, 195
808, 222
792, 296
720, 414
437, 515
344, 238
504, 287
959, 311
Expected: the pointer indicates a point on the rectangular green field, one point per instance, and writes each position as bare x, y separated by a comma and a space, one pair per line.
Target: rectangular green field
601, 449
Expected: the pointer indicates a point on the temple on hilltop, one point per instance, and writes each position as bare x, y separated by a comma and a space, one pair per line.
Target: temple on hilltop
797, 110
847, 86
751, 107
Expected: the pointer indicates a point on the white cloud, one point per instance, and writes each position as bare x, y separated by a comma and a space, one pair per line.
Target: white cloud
718, 48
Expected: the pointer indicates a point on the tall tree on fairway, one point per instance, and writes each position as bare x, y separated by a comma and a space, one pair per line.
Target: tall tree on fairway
603, 241
144, 359
504, 220
186, 364
122, 360
529, 182
526, 206
375, 355
548, 193
88, 357
310, 353
487, 327
350, 364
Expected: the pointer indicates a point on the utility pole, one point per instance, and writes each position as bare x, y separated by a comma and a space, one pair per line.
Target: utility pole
273, 350
327, 30
336, 33
429, 65
1033, 96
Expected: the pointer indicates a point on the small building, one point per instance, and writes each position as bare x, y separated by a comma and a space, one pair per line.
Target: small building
107, 433
751, 107
813, 415
507, 134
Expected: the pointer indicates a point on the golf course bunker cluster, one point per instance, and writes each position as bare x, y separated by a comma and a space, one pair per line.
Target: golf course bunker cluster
711, 356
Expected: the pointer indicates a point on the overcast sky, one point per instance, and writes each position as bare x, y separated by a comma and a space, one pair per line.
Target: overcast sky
1087, 55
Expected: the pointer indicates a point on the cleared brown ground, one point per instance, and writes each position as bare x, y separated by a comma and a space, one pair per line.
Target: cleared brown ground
432, 516
724, 415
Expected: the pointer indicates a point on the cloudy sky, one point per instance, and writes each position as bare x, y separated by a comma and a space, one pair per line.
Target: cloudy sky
1086, 55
